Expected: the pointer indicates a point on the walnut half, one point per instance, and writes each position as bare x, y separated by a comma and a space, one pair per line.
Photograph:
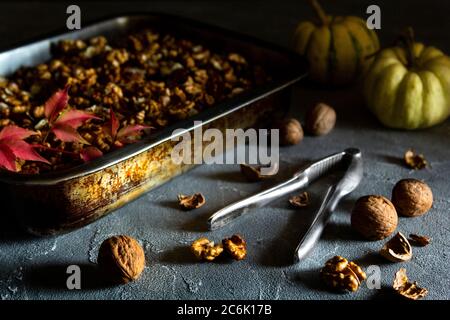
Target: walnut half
397, 249
191, 202
339, 273
235, 246
204, 249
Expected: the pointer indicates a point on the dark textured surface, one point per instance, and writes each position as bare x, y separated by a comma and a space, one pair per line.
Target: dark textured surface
35, 268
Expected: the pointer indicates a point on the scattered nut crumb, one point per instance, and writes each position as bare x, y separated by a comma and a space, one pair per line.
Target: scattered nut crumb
191, 202
419, 241
301, 200
415, 161
253, 174
407, 289
235, 246
339, 273
397, 249
204, 249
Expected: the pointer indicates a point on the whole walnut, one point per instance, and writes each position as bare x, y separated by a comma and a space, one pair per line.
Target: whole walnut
291, 131
121, 258
412, 197
374, 217
320, 119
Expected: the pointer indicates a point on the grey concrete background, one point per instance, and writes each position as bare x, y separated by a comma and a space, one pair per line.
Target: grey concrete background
33, 268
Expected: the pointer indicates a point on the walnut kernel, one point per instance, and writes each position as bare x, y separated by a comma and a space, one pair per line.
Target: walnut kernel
235, 246
300, 201
339, 273
191, 202
204, 249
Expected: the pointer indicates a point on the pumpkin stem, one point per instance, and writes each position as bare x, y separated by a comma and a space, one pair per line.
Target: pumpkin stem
409, 42
319, 11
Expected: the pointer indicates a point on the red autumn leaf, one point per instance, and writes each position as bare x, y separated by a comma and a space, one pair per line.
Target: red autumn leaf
74, 118
114, 124
126, 134
66, 133
7, 158
25, 151
56, 103
12, 147
15, 133
90, 153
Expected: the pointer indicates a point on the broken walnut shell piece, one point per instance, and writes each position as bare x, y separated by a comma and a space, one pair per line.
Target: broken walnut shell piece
206, 250
301, 200
191, 202
236, 247
253, 173
397, 249
415, 161
409, 290
419, 241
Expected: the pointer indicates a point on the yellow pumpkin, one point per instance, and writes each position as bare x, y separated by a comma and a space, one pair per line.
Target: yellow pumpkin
409, 87
336, 48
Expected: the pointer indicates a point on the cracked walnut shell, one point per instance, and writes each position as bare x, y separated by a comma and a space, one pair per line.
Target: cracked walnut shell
397, 249
374, 217
412, 197
204, 249
409, 290
191, 202
121, 258
339, 273
235, 246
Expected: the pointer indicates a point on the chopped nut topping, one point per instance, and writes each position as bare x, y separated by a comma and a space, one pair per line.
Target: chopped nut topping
397, 249
235, 246
204, 249
300, 201
409, 290
147, 78
415, 161
419, 241
191, 202
339, 273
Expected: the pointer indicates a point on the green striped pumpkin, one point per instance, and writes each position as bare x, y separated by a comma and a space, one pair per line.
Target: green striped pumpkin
336, 48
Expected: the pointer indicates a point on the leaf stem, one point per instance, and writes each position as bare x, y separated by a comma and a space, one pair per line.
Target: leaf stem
319, 12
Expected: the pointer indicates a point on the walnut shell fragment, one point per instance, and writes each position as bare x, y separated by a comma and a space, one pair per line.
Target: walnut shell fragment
121, 258
191, 202
300, 201
397, 249
415, 161
341, 274
206, 250
419, 241
253, 173
235, 246
407, 289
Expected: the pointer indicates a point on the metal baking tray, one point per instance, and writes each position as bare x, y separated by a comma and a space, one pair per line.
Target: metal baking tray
61, 201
